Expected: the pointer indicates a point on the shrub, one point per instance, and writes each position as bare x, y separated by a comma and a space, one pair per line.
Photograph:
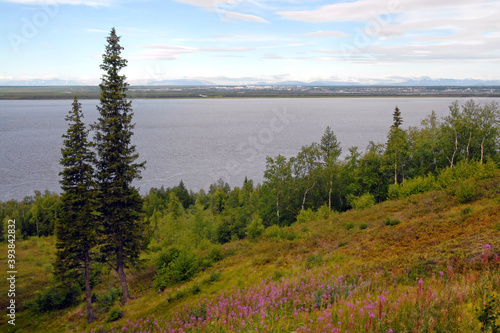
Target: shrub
215, 276
367, 200
272, 232
363, 226
215, 254
255, 229
306, 216
467, 191
313, 260
389, 222
412, 186
195, 289
114, 315
349, 226
167, 256
489, 313
182, 268
55, 298
108, 298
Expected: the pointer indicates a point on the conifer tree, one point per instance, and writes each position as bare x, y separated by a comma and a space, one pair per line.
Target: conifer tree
76, 230
123, 232
397, 146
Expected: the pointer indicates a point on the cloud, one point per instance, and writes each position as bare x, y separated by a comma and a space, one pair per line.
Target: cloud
243, 17
324, 34
172, 52
449, 51
92, 3
220, 7
363, 10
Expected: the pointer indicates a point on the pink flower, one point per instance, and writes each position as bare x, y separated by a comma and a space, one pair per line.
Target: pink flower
487, 246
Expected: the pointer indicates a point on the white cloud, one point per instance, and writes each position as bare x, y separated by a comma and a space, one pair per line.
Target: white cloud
324, 34
92, 3
172, 52
364, 10
221, 6
243, 17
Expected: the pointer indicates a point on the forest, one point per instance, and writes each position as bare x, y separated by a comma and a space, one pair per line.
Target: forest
413, 160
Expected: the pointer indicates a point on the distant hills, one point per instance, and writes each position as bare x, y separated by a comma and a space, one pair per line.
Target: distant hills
422, 82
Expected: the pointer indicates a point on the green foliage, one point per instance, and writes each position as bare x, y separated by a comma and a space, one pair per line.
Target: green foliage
412, 186
306, 216
489, 314
195, 289
167, 256
391, 222
349, 225
276, 233
255, 229
181, 268
114, 315
314, 261
56, 297
214, 276
107, 299
467, 191
363, 226
367, 200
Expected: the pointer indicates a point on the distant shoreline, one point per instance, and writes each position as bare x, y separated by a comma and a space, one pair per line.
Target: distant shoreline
215, 92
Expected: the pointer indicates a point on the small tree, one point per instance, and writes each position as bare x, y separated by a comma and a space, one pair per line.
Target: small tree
76, 230
397, 146
124, 232
330, 150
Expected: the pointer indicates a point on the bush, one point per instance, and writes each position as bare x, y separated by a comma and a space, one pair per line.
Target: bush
349, 226
182, 268
195, 289
215, 276
467, 191
55, 298
363, 226
389, 222
167, 256
255, 229
412, 186
108, 298
313, 260
306, 216
367, 200
114, 315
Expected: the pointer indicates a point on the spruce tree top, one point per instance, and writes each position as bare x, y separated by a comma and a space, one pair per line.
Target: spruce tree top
398, 119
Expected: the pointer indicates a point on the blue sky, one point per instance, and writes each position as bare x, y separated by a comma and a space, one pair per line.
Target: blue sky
243, 42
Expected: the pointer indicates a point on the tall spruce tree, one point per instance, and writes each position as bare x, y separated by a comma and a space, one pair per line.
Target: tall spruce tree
123, 231
76, 230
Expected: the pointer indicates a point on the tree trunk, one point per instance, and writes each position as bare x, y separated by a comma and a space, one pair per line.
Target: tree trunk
305, 195
88, 291
121, 273
468, 145
330, 196
277, 206
482, 150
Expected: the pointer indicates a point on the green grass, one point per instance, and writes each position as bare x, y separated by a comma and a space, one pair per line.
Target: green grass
436, 231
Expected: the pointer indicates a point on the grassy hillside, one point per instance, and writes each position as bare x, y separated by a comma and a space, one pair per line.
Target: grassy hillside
425, 263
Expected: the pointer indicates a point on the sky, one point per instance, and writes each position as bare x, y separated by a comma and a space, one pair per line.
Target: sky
247, 42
